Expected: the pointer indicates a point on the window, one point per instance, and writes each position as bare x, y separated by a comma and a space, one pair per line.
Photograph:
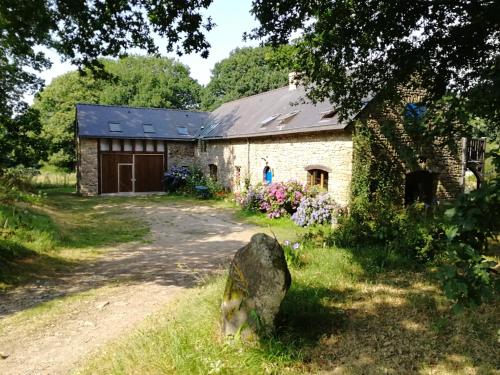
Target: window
420, 186
148, 128
213, 171
138, 145
203, 146
414, 111
114, 127
269, 119
116, 145
104, 144
182, 130
329, 114
317, 177
127, 145
150, 146
286, 118
160, 146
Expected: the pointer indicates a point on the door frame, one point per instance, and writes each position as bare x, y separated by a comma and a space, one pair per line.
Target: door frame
133, 176
133, 154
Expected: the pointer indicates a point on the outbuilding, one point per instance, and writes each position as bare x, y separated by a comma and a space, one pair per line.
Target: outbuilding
126, 149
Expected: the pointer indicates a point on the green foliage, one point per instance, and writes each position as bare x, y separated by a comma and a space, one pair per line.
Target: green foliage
473, 221
20, 141
197, 178
135, 81
247, 71
350, 50
293, 253
83, 31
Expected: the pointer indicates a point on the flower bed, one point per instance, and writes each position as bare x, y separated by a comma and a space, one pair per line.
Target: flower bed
280, 199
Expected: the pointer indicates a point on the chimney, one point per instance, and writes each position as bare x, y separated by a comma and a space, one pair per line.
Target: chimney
292, 81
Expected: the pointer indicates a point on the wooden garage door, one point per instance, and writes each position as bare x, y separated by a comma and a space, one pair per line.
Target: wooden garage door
148, 172
109, 171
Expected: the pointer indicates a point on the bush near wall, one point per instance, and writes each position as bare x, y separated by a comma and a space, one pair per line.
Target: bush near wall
184, 180
306, 206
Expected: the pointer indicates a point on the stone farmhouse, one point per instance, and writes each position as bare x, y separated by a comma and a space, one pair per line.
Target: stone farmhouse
276, 134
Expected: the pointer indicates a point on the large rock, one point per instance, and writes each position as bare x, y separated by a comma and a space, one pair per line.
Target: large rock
257, 283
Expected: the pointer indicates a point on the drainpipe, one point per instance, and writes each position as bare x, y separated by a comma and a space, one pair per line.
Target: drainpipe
248, 161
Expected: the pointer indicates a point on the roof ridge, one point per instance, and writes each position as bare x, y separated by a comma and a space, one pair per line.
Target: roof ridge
250, 96
138, 107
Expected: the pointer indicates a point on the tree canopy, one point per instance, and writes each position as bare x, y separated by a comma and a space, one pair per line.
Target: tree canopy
352, 49
247, 71
83, 31
136, 81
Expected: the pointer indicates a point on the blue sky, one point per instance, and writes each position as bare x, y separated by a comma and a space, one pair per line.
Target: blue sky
232, 17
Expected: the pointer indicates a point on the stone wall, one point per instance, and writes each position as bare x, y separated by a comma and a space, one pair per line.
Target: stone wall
404, 147
180, 153
87, 166
289, 156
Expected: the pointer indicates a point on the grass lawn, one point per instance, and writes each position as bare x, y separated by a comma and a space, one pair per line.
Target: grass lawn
57, 231
349, 311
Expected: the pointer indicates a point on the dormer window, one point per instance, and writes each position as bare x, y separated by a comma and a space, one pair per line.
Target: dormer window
114, 127
286, 118
182, 130
148, 128
269, 119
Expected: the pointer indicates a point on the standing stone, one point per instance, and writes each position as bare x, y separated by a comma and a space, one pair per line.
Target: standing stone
257, 283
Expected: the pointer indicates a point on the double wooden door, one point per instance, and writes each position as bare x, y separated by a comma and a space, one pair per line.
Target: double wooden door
121, 173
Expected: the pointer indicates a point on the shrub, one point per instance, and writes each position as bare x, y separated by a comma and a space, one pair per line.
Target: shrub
282, 198
321, 209
250, 199
176, 178
467, 275
18, 177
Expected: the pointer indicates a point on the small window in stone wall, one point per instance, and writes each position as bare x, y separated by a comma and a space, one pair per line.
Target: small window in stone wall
203, 146
127, 145
104, 144
116, 145
213, 171
317, 177
138, 145
160, 146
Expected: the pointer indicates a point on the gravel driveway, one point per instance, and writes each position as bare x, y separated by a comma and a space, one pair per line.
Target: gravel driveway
121, 288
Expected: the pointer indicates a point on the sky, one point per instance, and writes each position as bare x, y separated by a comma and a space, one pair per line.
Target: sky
232, 18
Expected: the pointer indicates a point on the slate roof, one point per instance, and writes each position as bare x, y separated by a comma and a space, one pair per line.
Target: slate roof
244, 117
93, 122
288, 111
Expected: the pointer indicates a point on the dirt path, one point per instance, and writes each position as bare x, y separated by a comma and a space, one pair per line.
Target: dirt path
120, 288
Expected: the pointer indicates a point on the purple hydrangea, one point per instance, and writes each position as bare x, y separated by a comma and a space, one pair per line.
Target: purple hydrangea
321, 209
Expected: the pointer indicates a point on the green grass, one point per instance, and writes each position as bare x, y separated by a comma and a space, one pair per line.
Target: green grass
59, 230
352, 311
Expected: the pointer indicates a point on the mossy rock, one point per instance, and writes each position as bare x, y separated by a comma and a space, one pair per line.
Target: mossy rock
257, 283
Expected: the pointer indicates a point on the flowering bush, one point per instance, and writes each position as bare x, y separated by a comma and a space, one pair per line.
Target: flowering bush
277, 199
175, 178
321, 209
282, 198
251, 199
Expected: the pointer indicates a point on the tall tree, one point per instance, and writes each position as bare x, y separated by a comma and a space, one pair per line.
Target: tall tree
351, 49
245, 72
135, 80
81, 31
